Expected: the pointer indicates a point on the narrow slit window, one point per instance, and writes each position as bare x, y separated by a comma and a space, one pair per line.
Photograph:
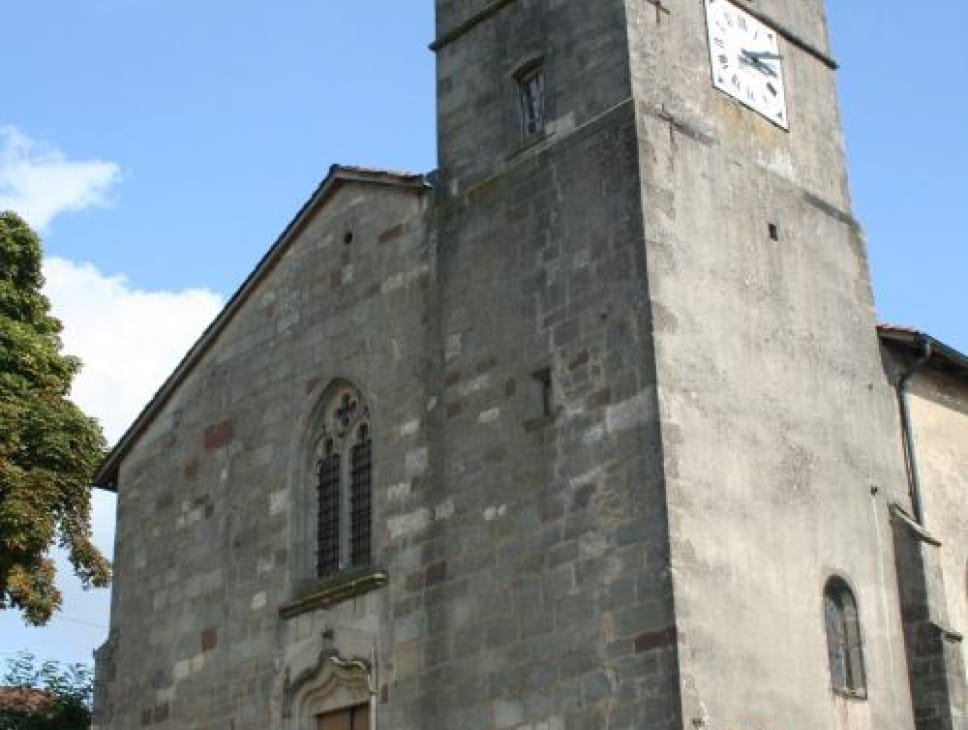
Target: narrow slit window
531, 88
544, 391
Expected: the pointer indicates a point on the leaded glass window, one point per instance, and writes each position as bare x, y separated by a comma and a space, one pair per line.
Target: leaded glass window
327, 555
360, 496
343, 471
844, 649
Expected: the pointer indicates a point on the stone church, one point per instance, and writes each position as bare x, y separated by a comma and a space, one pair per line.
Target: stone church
592, 428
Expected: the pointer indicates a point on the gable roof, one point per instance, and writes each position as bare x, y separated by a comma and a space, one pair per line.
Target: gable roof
107, 474
941, 356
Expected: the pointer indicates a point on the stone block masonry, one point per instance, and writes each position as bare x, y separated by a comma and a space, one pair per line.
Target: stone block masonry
572, 441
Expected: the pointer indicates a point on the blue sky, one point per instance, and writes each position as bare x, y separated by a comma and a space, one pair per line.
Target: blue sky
161, 145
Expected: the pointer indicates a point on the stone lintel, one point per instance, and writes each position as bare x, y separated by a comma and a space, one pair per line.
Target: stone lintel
334, 590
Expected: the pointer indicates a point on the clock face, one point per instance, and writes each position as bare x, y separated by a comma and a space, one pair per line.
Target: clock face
746, 61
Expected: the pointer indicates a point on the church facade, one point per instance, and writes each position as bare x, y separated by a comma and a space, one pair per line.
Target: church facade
590, 429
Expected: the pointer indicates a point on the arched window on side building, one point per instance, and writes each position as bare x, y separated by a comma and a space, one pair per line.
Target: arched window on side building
844, 649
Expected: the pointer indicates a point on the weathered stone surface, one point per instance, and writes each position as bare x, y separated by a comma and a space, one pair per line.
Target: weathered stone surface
621, 435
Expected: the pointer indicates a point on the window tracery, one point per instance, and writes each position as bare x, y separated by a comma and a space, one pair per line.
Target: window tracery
343, 471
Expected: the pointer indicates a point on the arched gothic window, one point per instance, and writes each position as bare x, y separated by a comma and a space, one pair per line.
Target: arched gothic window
843, 639
343, 459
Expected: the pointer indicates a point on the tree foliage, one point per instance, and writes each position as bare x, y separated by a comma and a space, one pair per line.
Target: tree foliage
45, 696
48, 447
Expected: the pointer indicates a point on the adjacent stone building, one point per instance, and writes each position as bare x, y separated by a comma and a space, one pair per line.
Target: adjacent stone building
590, 429
931, 529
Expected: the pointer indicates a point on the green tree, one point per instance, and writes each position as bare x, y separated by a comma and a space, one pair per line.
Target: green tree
48, 696
48, 447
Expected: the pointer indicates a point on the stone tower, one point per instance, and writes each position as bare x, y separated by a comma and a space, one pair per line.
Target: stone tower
585, 431
722, 443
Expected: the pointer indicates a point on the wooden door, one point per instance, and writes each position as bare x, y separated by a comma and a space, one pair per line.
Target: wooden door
351, 718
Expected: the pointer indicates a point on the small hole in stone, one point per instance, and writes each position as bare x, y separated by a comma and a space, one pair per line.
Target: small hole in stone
545, 393
348, 238
774, 232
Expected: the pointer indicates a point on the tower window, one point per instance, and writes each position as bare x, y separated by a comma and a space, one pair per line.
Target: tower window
531, 94
344, 511
844, 649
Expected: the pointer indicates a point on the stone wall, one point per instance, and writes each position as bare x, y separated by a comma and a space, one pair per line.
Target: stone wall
939, 414
628, 418
555, 609
778, 428
207, 504
931, 555
554, 600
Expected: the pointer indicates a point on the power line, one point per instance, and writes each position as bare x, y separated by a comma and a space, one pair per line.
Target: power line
82, 622
71, 620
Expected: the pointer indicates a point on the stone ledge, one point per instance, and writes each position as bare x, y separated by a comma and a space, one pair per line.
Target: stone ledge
850, 694
539, 422
336, 589
476, 19
918, 531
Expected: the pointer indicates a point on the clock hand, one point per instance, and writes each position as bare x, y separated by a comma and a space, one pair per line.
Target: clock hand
755, 61
761, 55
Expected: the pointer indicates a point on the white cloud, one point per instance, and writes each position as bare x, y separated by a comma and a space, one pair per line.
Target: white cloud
128, 340
39, 182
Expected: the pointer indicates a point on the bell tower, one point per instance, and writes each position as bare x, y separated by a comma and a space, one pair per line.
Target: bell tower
662, 383
779, 435
550, 436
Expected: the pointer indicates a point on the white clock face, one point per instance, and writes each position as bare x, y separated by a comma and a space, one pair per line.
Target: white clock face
746, 61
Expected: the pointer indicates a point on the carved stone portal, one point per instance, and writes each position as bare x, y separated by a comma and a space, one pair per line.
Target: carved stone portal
323, 686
